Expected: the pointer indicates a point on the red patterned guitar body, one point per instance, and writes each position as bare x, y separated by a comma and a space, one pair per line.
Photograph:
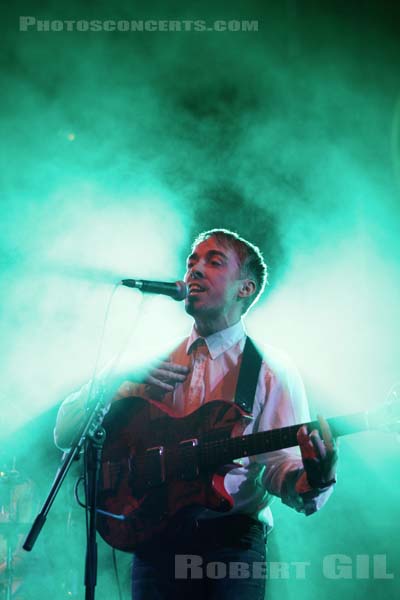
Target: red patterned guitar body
156, 463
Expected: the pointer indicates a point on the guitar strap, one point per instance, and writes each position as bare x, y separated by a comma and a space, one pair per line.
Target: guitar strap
248, 376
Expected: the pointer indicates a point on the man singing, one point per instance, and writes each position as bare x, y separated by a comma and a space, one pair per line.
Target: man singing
225, 276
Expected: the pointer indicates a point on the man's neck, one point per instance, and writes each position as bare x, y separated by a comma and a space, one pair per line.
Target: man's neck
206, 328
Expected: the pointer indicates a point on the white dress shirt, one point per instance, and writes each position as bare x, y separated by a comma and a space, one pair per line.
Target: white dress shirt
280, 401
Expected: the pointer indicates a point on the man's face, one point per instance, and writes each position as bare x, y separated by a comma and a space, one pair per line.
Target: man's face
213, 279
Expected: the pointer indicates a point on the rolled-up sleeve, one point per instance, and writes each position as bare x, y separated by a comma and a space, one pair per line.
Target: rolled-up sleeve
108, 385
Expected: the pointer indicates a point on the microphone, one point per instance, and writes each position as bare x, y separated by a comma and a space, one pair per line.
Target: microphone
177, 290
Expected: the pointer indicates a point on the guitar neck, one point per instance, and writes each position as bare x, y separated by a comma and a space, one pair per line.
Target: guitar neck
227, 450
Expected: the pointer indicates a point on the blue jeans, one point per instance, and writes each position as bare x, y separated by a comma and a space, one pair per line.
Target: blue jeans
221, 558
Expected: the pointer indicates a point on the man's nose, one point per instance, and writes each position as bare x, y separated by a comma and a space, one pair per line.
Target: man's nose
196, 272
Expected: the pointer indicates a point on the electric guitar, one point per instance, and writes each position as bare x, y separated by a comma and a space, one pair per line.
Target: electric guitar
155, 463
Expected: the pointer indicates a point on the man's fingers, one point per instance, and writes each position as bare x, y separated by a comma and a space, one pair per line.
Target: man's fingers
318, 444
166, 375
305, 443
158, 383
329, 440
173, 368
311, 444
319, 455
170, 376
325, 430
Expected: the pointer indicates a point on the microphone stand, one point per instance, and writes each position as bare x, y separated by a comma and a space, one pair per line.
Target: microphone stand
94, 451
92, 435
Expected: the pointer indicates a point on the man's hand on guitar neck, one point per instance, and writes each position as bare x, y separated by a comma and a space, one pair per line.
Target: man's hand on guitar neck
319, 455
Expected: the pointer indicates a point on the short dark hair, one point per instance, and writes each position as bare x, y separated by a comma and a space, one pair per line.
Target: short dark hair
250, 257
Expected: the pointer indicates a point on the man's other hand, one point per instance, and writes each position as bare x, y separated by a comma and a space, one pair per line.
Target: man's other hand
319, 455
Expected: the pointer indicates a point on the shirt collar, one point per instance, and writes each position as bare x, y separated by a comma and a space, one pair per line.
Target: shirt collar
218, 342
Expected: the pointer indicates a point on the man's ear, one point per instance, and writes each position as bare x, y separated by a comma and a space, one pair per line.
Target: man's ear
248, 288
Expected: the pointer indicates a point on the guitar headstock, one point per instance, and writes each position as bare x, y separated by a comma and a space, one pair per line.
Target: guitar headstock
387, 416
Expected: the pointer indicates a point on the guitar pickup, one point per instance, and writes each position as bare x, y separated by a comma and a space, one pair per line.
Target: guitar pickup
189, 467
155, 473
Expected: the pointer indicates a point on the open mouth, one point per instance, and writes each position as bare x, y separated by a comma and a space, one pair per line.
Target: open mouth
195, 288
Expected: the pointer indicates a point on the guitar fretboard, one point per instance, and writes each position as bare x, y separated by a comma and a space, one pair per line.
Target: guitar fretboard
223, 451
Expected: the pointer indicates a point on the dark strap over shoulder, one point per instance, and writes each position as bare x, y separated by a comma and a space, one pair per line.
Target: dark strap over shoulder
248, 376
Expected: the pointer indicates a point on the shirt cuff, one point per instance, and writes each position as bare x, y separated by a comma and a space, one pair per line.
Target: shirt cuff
313, 498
